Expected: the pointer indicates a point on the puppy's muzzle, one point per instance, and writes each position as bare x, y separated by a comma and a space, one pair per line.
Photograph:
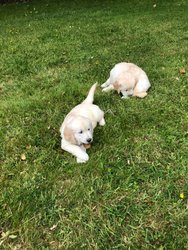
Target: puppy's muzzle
89, 140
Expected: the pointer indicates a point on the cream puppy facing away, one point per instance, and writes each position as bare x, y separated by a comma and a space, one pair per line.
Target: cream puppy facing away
77, 128
129, 79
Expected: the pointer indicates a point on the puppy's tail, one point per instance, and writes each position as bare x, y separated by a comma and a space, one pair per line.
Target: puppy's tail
90, 97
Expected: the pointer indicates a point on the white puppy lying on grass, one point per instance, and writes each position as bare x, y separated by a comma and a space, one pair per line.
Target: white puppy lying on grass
77, 128
128, 79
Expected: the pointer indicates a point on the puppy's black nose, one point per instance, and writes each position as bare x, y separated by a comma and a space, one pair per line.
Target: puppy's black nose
89, 140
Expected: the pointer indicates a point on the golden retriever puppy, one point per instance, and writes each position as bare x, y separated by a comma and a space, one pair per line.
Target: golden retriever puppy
128, 79
77, 128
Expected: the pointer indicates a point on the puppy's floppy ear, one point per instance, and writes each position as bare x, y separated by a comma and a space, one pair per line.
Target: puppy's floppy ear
116, 86
69, 135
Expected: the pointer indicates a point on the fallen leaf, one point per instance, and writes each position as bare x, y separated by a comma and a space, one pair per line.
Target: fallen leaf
4, 235
53, 227
182, 70
12, 236
28, 146
182, 196
1, 242
23, 157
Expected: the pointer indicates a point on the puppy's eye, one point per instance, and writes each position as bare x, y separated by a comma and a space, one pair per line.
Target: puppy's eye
80, 132
89, 129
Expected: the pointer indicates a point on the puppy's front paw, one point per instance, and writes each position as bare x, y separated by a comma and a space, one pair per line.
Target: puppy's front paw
125, 97
82, 158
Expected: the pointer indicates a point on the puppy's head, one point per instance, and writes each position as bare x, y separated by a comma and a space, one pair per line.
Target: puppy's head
117, 86
125, 82
78, 131
121, 83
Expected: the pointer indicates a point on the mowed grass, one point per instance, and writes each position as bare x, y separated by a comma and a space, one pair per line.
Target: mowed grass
132, 193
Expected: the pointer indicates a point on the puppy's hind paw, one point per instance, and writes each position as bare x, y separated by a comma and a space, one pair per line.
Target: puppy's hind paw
102, 122
103, 85
109, 88
141, 95
104, 90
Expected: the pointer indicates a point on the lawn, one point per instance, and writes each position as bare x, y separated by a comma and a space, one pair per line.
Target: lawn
132, 193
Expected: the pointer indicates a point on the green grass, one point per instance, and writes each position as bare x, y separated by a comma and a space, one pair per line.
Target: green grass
128, 195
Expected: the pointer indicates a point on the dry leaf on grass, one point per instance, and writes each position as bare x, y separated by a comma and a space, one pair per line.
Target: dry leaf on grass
12, 236
182, 70
23, 157
5, 235
53, 227
28, 146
